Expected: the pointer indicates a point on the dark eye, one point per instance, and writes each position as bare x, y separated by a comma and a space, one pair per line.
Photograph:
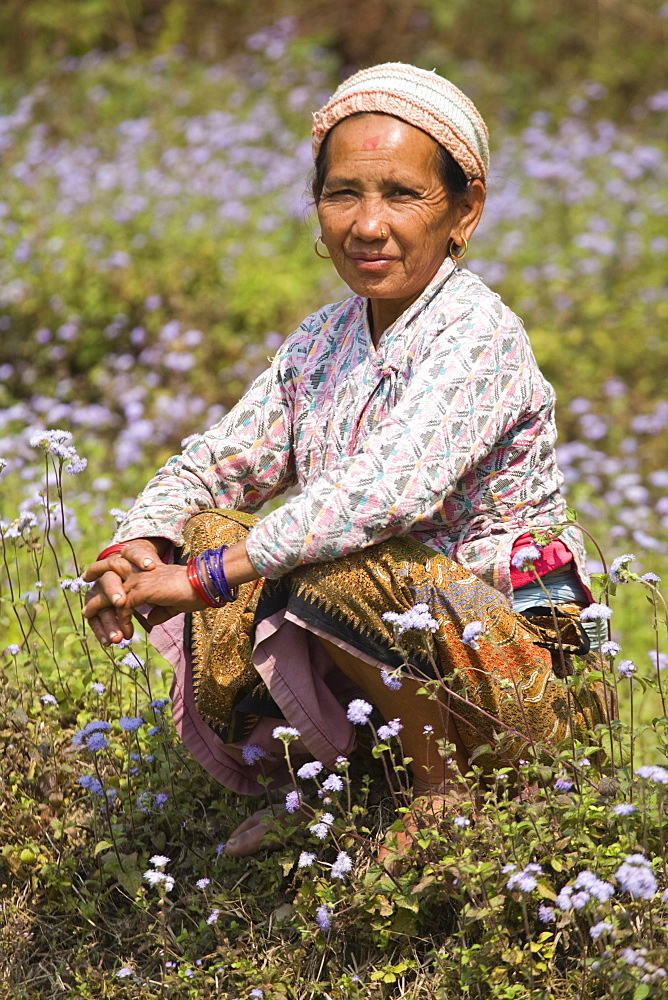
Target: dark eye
404, 192
339, 193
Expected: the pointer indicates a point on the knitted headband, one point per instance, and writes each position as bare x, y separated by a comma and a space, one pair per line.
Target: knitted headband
421, 98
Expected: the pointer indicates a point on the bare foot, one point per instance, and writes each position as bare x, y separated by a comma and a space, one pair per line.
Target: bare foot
248, 836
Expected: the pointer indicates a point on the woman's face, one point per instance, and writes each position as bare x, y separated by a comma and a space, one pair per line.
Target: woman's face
382, 177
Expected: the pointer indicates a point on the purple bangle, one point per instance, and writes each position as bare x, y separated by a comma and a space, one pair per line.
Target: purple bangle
216, 601
213, 559
221, 579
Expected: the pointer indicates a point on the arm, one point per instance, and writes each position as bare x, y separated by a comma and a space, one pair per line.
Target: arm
472, 387
237, 464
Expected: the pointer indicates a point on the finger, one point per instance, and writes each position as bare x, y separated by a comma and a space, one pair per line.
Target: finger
109, 591
96, 628
113, 628
141, 554
112, 564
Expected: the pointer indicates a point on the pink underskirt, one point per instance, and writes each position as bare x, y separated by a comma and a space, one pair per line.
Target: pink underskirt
308, 688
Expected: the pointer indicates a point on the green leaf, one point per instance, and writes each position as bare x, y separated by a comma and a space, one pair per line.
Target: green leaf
130, 880
641, 991
102, 845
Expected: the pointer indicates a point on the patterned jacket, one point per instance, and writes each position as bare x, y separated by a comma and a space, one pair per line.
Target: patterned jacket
444, 431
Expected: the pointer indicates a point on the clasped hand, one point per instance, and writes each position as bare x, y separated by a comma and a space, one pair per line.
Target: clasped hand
123, 582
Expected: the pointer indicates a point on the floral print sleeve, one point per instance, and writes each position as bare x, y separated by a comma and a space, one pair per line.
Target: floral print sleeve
474, 386
239, 463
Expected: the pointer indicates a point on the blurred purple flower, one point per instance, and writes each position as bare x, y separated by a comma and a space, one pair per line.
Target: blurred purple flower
524, 556
310, 769
359, 711
342, 865
618, 570
392, 729
596, 612
417, 617
471, 634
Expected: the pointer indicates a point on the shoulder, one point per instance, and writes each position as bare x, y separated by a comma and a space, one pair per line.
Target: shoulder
466, 297
319, 332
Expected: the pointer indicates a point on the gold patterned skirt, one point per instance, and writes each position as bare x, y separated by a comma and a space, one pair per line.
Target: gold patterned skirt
516, 688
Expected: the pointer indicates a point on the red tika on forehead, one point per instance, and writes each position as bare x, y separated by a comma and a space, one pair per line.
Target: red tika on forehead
420, 98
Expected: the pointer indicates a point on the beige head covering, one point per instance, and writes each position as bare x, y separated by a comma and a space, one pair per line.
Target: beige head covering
419, 97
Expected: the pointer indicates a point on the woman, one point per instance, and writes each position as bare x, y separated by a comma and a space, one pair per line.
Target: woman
420, 432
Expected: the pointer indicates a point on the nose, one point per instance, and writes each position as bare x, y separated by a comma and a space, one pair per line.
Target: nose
368, 225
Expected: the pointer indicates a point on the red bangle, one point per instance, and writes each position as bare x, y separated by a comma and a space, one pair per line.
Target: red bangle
116, 547
111, 550
196, 583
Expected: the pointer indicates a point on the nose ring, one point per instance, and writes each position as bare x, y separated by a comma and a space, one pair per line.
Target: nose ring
383, 233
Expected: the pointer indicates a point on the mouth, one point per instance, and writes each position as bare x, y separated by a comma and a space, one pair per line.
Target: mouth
368, 261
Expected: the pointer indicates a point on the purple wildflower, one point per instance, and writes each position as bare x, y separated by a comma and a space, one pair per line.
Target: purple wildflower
391, 679
626, 668
545, 914
342, 865
525, 556
610, 648
310, 769
603, 927
213, 917
98, 687
49, 699
359, 711
321, 828
292, 801
417, 617
596, 612
596, 887
132, 661
624, 809
655, 773
160, 799
122, 973
650, 578
306, 859
323, 916
392, 729
461, 821
332, 783
618, 571
563, 784
252, 753
636, 877
130, 724
13, 649
659, 660
202, 883
471, 634
96, 742
285, 733
525, 880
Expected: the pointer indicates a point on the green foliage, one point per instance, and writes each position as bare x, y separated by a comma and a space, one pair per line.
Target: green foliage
459, 912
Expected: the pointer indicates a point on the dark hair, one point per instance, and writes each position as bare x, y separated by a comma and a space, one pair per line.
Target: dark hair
451, 174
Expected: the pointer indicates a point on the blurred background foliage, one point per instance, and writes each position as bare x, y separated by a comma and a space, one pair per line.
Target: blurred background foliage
524, 50
156, 229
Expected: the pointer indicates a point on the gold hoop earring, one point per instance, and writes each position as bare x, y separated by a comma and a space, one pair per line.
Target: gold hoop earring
323, 256
465, 249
